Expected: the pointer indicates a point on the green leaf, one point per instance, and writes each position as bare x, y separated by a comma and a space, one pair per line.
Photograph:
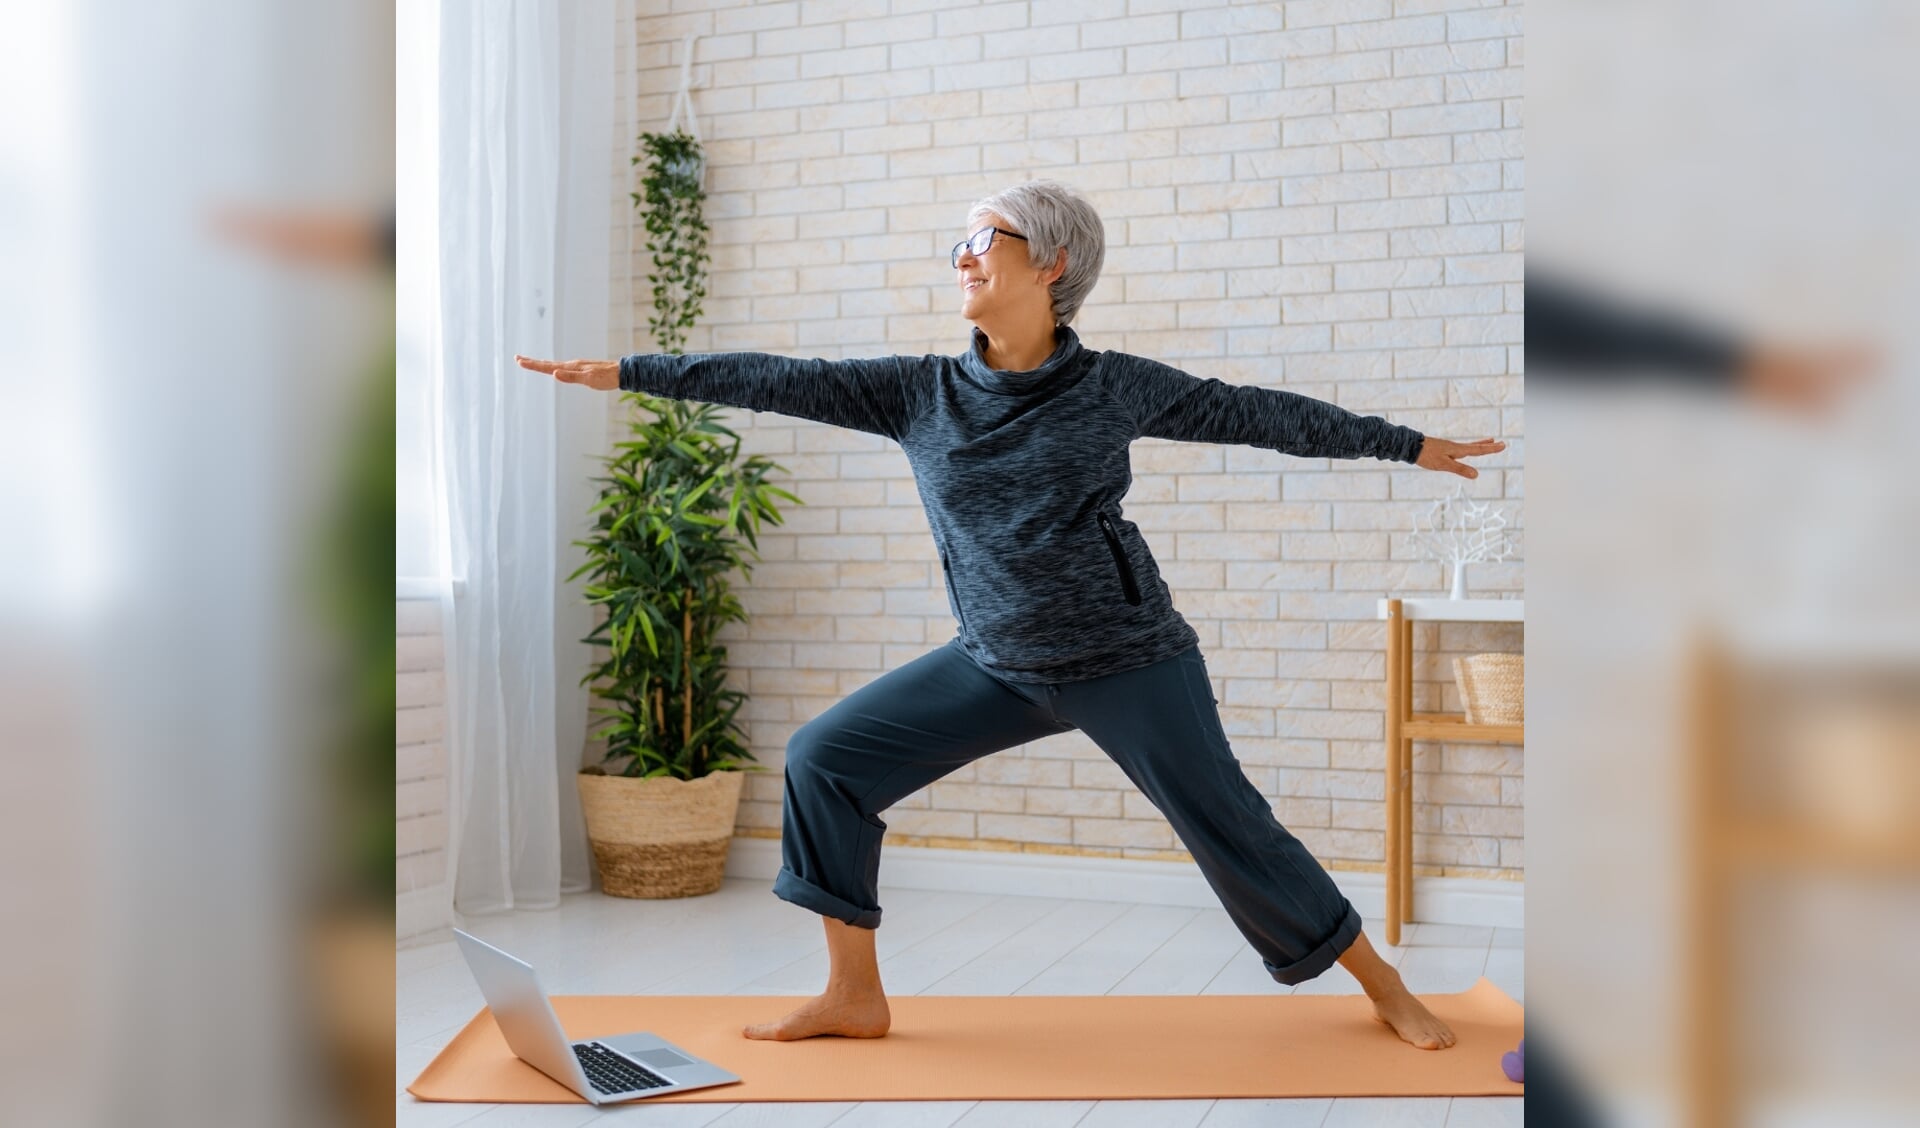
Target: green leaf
687, 501
634, 565
646, 625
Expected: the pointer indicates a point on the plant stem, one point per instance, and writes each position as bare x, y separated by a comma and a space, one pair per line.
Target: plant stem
686, 681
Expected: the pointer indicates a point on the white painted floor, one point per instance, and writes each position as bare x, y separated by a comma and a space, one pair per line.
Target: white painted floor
743, 940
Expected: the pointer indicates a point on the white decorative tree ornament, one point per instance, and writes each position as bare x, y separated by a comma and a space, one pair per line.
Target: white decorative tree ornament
1460, 532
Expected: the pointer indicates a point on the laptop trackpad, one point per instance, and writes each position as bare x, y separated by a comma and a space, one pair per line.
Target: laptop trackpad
657, 1058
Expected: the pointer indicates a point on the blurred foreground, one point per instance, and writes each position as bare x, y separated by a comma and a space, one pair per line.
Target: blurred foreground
196, 474
1724, 640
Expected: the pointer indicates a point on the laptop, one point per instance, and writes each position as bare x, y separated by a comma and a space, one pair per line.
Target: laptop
603, 1070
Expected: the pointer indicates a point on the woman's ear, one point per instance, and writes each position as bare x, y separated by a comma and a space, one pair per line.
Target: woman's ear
1059, 267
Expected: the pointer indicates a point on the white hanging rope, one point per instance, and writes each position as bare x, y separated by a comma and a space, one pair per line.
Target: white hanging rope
684, 99
631, 133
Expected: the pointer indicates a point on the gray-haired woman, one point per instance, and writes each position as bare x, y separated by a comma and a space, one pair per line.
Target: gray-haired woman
1019, 449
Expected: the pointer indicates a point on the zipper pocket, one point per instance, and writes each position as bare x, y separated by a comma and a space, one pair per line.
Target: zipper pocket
953, 590
1131, 589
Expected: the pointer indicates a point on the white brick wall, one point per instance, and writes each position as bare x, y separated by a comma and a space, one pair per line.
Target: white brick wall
1322, 195
420, 770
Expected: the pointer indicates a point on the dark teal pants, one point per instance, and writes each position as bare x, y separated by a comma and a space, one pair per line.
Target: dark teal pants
908, 728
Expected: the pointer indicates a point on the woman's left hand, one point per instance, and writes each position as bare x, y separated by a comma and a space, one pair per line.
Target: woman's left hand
1443, 454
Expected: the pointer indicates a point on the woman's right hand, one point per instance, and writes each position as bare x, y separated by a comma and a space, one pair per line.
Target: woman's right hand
602, 375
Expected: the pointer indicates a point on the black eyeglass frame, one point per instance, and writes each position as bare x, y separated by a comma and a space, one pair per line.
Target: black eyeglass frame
975, 237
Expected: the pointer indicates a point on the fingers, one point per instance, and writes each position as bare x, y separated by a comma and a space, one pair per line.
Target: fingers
566, 371
558, 369
1477, 446
561, 370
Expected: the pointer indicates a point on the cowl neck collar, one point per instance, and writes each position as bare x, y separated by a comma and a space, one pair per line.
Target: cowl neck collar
1066, 347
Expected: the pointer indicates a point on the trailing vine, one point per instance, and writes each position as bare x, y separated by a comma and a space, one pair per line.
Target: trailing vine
676, 233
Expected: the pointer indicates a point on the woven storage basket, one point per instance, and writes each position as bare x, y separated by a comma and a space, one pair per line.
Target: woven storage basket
660, 837
1492, 686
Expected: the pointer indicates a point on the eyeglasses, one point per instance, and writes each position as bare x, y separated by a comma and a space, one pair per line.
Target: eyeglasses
981, 240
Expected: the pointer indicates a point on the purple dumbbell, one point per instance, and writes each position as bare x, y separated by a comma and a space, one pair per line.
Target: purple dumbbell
1512, 1061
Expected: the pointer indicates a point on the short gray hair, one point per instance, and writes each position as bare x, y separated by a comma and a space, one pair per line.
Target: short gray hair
1051, 216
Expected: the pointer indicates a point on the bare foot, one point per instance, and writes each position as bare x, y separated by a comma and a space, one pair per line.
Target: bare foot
1411, 1019
850, 1016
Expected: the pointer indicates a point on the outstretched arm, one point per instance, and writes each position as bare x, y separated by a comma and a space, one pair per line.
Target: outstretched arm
1167, 403
879, 395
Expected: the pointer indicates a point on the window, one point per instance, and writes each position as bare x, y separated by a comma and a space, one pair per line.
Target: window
419, 558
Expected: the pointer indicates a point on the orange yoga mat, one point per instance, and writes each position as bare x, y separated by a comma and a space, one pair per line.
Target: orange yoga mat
1025, 1047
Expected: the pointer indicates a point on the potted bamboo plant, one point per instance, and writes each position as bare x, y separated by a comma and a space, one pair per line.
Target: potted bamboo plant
678, 511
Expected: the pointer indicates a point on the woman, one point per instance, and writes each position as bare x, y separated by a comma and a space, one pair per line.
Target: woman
1019, 450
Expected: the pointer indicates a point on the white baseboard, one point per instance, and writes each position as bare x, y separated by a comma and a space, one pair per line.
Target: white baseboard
1436, 900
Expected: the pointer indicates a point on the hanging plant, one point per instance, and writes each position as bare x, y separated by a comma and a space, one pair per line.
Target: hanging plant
676, 232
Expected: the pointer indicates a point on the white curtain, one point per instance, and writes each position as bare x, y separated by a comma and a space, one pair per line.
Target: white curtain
525, 183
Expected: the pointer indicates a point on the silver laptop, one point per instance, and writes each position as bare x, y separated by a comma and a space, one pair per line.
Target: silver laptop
603, 1070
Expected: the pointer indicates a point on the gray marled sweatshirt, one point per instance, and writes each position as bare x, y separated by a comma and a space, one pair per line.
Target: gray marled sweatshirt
1022, 474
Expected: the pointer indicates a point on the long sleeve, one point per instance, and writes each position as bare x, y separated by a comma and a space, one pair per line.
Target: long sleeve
1167, 403
879, 395
1582, 333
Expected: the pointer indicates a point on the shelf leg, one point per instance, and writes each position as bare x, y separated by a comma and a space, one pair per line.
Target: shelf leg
1712, 1096
1391, 764
1405, 709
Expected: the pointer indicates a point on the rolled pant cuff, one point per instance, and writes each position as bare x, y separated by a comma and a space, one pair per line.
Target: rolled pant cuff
807, 895
1321, 958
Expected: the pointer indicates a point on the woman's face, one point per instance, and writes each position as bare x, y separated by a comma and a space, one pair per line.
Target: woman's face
1000, 280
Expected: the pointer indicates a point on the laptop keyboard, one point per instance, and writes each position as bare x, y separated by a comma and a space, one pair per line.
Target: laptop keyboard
608, 1072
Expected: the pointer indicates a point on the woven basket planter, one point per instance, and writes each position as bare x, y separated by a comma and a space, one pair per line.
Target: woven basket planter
661, 837
1492, 685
